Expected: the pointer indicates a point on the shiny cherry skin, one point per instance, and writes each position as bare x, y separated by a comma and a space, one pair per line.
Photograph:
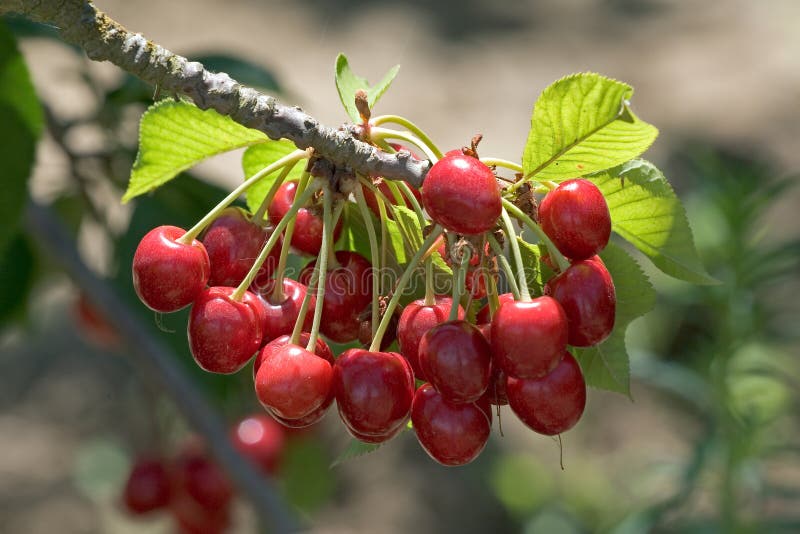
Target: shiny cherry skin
261, 439
225, 334
279, 317
322, 349
168, 275
528, 338
586, 292
373, 391
375, 439
310, 419
307, 236
416, 319
233, 242
348, 290
485, 315
197, 476
457, 360
293, 382
575, 217
551, 404
148, 486
461, 194
451, 434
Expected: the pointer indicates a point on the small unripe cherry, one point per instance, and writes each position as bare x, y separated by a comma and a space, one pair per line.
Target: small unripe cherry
575, 217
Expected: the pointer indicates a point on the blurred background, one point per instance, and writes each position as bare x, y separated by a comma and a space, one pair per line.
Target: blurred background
711, 441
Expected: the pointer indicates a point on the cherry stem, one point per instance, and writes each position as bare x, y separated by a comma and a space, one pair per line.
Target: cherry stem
195, 231
430, 291
377, 133
494, 300
299, 202
459, 282
301, 314
261, 213
373, 250
421, 252
563, 263
498, 162
510, 276
277, 295
413, 128
383, 202
524, 294
322, 266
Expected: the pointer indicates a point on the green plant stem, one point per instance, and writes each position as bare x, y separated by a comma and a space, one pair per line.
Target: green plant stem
322, 266
524, 294
498, 162
301, 314
258, 216
413, 128
295, 156
561, 261
377, 133
298, 203
383, 202
510, 276
277, 295
401, 285
406, 189
459, 276
430, 291
373, 250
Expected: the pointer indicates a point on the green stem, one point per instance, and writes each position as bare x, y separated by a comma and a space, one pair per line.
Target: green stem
322, 266
258, 216
401, 284
563, 263
377, 134
301, 314
373, 250
459, 276
295, 156
498, 162
430, 293
524, 294
406, 189
413, 128
510, 276
277, 295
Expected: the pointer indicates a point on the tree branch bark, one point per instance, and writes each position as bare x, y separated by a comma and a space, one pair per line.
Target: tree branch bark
104, 39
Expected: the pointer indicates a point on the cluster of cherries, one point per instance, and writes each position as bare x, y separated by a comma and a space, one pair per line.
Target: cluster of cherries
513, 352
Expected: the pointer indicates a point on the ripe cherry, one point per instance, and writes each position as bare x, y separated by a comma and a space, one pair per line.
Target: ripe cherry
528, 338
484, 314
223, 333
575, 217
416, 319
322, 349
168, 275
457, 359
348, 290
462, 194
452, 434
199, 477
551, 404
147, 487
310, 419
261, 439
378, 438
373, 391
586, 292
307, 236
279, 317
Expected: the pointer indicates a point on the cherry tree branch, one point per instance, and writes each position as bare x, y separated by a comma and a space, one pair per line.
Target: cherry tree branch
104, 39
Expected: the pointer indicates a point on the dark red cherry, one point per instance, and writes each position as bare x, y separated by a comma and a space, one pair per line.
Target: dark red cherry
168, 275
586, 292
223, 333
348, 290
551, 404
307, 236
457, 359
452, 434
261, 439
461, 194
322, 349
528, 338
416, 319
378, 438
575, 217
373, 391
484, 314
233, 242
310, 419
199, 477
279, 317
147, 487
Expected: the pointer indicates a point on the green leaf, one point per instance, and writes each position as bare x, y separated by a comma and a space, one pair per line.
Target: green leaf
646, 212
17, 273
355, 449
537, 273
259, 156
582, 124
606, 366
348, 83
174, 136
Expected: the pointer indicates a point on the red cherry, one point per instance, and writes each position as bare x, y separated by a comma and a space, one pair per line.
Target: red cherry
348, 290
461, 194
452, 434
553, 403
528, 338
484, 314
457, 360
198, 477
279, 317
586, 292
147, 487
233, 242
322, 349
261, 439
380, 438
307, 236
416, 319
168, 275
373, 391
293, 382
575, 217
223, 333
94, 326
310, 419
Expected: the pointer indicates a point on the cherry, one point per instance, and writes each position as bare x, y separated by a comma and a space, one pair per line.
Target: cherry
307, 236
168, 275
310, 419
223, 333
528, 338
199, 478
416, 319
293, 382
461, 194
279, 317
261, 439
551, 404
451, 434
147, 487
586, 292
457, 359
348, 290
484, 315
373, 391
322, 349
378, 438
94, 326
575, 217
